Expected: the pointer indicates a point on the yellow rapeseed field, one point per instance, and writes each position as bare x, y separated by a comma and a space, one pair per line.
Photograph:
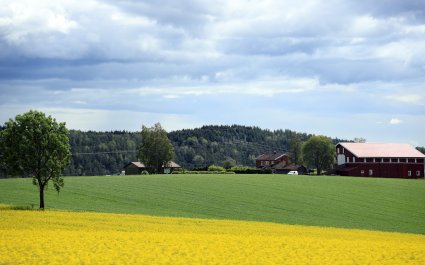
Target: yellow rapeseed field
55, 237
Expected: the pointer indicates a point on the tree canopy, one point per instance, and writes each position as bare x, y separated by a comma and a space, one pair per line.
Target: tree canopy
155, 148
37, 146
319, 152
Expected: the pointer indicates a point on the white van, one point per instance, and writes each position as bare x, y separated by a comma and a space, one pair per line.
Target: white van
294, 172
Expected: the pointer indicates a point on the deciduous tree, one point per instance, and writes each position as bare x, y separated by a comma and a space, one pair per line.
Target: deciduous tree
295, 144
37, 146
155, 148
319, 152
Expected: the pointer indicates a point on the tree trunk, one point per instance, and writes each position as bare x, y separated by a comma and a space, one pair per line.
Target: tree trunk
42, 197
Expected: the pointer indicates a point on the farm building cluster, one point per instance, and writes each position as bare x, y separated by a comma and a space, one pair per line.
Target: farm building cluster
353, 159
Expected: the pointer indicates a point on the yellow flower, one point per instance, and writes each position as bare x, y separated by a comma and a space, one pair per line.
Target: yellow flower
55, 237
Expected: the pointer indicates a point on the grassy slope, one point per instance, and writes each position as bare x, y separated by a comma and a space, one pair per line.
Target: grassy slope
365, 203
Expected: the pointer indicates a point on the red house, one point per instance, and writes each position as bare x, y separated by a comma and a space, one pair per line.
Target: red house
269, 160
379, 160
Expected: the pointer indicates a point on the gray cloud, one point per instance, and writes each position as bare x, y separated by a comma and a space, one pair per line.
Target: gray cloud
189, 57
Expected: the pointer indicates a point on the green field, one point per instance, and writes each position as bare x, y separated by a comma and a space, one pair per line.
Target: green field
364, 203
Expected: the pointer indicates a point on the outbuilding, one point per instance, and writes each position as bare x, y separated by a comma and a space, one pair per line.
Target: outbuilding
379, 160
134, 168
169, 167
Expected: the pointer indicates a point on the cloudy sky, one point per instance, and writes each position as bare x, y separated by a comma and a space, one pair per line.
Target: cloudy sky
341, 68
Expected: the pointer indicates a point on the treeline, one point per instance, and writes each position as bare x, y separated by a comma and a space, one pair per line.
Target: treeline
220, 145
101, 153
106, 153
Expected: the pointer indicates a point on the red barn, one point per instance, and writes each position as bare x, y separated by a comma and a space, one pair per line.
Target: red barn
379, 160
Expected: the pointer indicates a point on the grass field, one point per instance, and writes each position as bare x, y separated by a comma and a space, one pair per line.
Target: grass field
362, 203
55, 237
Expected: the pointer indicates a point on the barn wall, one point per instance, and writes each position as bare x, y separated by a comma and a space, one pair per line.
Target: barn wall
133, 170
385, 170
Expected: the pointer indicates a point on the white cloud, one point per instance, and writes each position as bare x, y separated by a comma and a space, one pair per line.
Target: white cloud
105, 120
184, 57
395, 121
408, 98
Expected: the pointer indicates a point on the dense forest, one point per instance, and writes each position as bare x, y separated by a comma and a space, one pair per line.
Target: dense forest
106, 153
103, 153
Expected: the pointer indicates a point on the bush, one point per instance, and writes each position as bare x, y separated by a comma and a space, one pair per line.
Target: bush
249, 170
203, 172
216, 168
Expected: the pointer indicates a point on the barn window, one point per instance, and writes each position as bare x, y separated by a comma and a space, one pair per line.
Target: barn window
354, 159
348, 159
409, 173
418, 173
362, 171
337, 150
370, 172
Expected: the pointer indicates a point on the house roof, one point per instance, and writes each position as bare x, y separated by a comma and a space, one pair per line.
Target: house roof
270, 156
382, 150
137, 164
172, 164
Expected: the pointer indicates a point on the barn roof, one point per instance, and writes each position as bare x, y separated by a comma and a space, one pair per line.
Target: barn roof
382, 150
172, 164
137, 164
270, 156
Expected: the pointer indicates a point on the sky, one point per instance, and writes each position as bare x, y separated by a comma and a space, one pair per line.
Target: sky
343, 69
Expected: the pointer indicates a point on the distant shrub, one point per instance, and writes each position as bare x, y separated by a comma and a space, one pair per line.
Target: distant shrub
249, 170
203, 172
216, 168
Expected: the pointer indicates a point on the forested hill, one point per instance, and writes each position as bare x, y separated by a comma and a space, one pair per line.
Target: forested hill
103, 153
235, 144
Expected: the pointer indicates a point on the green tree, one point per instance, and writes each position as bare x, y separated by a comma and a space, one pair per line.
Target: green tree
228, 163
155, 149
295, 144
37, 146
318, 152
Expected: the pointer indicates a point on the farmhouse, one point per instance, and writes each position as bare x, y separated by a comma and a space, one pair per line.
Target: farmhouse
379, 160
270, 160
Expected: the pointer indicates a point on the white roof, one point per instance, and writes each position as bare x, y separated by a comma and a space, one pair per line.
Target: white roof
382, 150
